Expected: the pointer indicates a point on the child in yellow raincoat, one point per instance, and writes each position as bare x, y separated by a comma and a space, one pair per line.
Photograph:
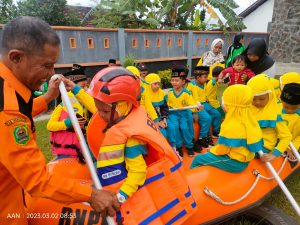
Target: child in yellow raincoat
290, 77
266, 111
290, 98
158, 101
240, 136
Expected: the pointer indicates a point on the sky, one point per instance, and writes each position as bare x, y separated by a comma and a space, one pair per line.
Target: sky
243, 3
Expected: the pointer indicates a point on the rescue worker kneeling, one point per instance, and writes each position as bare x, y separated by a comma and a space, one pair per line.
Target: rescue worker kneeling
134, 159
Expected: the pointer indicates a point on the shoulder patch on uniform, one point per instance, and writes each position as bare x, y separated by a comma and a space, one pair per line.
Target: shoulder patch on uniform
21, 134
14, 120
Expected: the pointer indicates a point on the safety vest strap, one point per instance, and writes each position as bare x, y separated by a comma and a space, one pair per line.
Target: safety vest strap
166, 208
160, 212
162, 174
172, 203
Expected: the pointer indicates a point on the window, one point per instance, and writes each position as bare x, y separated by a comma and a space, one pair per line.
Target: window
147, 43
106, 43
206, 42
90, 42
72, 42
158, 42
198, 42
169, 42
179, 42
134, 43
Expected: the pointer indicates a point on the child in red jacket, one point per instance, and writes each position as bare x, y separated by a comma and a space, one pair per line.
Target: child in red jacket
238, 73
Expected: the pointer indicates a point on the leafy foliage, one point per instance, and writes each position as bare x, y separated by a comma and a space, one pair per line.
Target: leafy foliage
129, 60
226, 8
166, 14
165, 76
53, 12
8, 10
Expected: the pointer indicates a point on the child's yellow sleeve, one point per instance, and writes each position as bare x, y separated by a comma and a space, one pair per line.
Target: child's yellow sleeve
211, 90
85, 99
135, 165
148, 106
54, 124
296, 142
296, 134
284, 137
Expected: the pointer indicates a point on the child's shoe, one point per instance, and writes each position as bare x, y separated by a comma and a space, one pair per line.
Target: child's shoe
190, 152
180, 151
215, 135
203, 142
197, 147
209, 141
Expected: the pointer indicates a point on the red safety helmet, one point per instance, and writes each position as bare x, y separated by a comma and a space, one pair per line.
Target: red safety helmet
114, 84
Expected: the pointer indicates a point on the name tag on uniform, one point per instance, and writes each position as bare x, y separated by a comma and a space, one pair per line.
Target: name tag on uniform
111, 174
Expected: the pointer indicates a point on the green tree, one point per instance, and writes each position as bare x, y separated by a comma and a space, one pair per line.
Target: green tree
8, 10
166, 14
53, 12
121, 13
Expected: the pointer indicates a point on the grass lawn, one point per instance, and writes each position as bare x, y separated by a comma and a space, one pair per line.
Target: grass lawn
277, 198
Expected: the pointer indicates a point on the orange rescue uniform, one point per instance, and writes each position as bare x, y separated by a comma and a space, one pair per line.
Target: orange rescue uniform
22, 164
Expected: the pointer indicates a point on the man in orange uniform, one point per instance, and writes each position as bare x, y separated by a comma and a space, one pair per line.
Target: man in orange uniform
29, 50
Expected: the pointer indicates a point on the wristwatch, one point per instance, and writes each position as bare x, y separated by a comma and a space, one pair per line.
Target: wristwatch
121, 198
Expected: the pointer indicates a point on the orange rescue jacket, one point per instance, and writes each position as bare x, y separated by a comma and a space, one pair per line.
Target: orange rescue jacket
22, 164
165, 197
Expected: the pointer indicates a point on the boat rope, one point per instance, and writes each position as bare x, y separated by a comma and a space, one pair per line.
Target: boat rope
258, 176
279, 171
291, 160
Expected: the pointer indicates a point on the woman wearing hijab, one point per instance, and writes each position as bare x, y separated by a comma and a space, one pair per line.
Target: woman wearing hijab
214, 56
240, 136
258, 58
235, 49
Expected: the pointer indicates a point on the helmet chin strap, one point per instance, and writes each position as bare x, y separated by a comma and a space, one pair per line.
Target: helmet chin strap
112, 115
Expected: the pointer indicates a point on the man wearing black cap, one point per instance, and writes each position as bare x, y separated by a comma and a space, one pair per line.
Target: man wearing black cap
112, 62
290, 97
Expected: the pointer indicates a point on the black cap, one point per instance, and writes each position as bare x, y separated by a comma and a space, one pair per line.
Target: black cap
74, 72
142, 67
291, 94
201, 70
180, 71
76, 75
112, 61
77, 66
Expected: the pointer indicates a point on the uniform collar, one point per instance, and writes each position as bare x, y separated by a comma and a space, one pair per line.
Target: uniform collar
8, 76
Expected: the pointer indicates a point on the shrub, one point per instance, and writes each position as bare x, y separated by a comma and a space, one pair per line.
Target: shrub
165, 76
128, 60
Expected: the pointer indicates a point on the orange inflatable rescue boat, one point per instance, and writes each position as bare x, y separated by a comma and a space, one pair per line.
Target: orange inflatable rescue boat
172, 194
